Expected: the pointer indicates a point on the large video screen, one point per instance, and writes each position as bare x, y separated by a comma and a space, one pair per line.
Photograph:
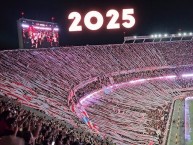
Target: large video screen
37, 34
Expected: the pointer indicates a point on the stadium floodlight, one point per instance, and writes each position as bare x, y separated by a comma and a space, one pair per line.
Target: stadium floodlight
24, 25
152, 36
173, 35
159, 35
56, 29
165, 35
155, 35
135, 37
190, 33
179, 34
187, 75
185, 34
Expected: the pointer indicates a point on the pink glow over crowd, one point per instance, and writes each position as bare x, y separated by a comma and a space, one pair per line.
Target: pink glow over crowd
134, 84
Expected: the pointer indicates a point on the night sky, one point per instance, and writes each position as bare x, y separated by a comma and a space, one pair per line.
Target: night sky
152, 16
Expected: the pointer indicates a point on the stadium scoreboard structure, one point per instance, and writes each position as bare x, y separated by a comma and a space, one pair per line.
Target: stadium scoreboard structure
34, 34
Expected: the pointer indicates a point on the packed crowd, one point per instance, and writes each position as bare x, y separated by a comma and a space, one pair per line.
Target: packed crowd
178, 71
159, 120
128, 76
44, 77
35, 129
93, 86
134, 114
80, 63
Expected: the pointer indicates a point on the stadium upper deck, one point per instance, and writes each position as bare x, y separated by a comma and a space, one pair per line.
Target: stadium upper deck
44, 78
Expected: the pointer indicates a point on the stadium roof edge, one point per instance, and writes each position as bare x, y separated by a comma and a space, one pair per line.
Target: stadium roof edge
63, 47
158, 38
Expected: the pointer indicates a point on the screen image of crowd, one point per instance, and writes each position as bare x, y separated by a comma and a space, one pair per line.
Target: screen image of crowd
42, 79
38, 34
39, 38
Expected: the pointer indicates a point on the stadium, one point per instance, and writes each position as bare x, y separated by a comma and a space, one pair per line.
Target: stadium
131, 102
138, 92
